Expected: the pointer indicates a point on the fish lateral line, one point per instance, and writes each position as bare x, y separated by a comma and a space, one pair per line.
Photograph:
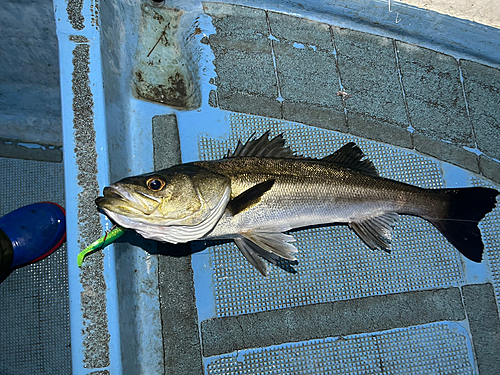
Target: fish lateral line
346, 179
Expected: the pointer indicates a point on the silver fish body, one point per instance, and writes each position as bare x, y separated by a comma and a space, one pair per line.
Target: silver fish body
309, 192
262, 190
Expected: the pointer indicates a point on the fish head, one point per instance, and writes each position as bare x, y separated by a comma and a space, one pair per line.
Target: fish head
177, 204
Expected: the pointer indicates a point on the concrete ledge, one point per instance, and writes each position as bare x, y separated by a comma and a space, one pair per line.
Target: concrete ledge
434, 94
238, 25
369, 72
481, 307
448, 152
489, 168
251, 72
322, 117
248, 103
301, 30
307, 76
17, 150
482, 90
364, 315
287, 67
363, 126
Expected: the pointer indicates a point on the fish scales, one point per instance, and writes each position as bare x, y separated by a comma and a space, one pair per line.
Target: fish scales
309, 192
261, 190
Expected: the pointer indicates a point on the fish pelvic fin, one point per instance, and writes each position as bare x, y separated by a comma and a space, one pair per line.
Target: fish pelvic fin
249, 197
273, 242
466, 207
376, 232
271, 245
254, 254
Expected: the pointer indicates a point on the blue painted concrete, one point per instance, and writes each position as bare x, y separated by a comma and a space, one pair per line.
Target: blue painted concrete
124, 141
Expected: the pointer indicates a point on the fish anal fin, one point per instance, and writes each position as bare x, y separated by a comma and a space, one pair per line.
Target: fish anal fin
274, 242
351, 156
249, 197
376, 232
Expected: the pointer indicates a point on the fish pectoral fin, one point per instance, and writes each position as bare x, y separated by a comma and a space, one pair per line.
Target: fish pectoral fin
273, 242
376, 232
249, 197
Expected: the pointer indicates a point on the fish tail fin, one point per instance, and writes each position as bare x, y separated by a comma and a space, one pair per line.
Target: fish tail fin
465, 208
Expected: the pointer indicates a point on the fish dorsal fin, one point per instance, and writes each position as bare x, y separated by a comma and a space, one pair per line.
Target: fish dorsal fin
376, 232
348, 156
263, 148
351, 156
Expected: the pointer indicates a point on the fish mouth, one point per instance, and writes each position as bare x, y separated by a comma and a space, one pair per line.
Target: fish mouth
111, 192
119, 198
118, 193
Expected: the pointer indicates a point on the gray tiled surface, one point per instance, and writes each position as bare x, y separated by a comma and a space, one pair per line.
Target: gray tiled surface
402, 94
482, 90
34, 300
287, 67
370, 74
434, 94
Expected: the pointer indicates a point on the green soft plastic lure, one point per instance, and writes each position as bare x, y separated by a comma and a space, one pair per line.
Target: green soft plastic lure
101, 243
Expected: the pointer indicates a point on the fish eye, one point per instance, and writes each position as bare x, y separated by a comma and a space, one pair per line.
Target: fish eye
155, 184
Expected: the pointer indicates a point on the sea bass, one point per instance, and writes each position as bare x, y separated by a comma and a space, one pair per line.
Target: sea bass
262, 190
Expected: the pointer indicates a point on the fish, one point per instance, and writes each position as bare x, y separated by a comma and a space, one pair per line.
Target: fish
262, 190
